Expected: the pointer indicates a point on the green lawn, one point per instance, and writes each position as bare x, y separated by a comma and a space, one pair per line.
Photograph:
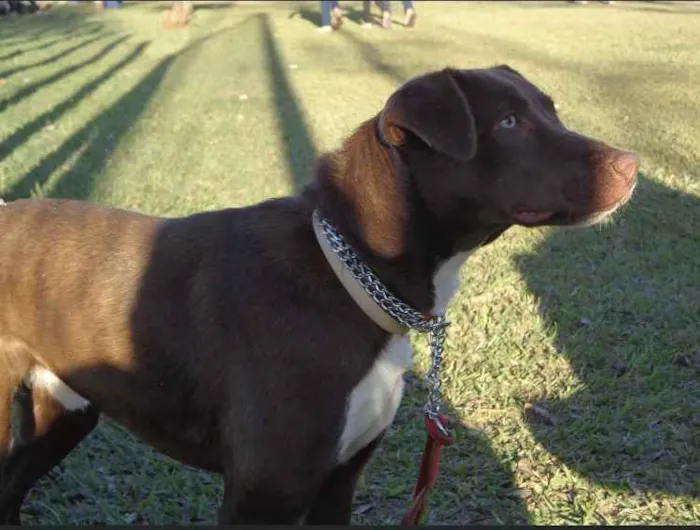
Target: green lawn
598, 328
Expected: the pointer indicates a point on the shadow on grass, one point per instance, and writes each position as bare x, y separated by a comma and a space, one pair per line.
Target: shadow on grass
95, 142
373, 58
32, 35
369, 53
10, 55
73, 34
32, 28
474, 488
86, 138
23, 134
43, 83
297, 143
310, 15
624, 304
359, 16
57, 57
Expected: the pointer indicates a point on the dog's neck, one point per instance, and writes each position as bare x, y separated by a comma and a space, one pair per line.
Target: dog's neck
364, 190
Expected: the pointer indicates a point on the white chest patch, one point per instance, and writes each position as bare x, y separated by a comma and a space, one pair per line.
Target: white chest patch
40, 377
446, 281
373, 403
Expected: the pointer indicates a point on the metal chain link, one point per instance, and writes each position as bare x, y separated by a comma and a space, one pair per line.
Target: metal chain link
435, 326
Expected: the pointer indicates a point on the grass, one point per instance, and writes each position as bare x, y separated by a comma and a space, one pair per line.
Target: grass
573, 361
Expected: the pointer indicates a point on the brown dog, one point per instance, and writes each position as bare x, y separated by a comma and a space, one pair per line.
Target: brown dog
226, 340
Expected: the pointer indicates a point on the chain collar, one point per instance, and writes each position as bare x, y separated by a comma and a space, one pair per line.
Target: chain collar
400, 311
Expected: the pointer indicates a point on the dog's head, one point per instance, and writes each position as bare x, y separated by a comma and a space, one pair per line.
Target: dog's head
486, 146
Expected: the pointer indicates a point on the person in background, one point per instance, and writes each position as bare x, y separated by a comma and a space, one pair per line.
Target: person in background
331, 16
408, 9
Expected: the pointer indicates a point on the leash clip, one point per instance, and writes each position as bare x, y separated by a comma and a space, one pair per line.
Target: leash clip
437, 424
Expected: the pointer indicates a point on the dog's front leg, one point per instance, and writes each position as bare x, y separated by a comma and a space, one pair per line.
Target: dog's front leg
263, 501
333, 505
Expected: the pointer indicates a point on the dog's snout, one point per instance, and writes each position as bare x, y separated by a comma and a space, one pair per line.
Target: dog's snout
626, 164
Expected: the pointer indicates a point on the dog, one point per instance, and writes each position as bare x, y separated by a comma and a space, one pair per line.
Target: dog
231, 341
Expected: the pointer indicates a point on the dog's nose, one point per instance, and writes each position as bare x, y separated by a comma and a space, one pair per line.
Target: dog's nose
626, 164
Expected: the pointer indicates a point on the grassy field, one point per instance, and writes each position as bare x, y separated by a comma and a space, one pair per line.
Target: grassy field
573, 362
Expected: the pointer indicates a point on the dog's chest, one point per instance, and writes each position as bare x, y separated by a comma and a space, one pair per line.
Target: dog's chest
373, 403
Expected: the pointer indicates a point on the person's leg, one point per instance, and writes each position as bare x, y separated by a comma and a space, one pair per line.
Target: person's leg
409, 13
326, 14
336, 15
386, 13
366, 13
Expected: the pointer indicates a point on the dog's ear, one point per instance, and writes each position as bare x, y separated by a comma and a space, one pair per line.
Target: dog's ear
435, 109
506, 68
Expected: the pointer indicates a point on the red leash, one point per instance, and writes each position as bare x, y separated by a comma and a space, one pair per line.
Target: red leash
429, 469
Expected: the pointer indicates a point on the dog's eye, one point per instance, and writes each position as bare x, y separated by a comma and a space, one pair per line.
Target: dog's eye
508, 122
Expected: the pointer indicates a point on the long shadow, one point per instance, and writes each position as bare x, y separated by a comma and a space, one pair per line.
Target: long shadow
369, 53
10, 55
475, 487
21, 135
49, 44
93, 140
373, 58
23, 34
10, 35
46, 24
299, 149
623, 303
310, 15
97, 139
32, 88
61, 55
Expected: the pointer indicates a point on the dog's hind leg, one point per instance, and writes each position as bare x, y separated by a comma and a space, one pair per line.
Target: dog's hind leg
37, 430
14, 364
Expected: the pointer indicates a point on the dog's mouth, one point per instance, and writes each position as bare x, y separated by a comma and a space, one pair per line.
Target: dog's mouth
528, 217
